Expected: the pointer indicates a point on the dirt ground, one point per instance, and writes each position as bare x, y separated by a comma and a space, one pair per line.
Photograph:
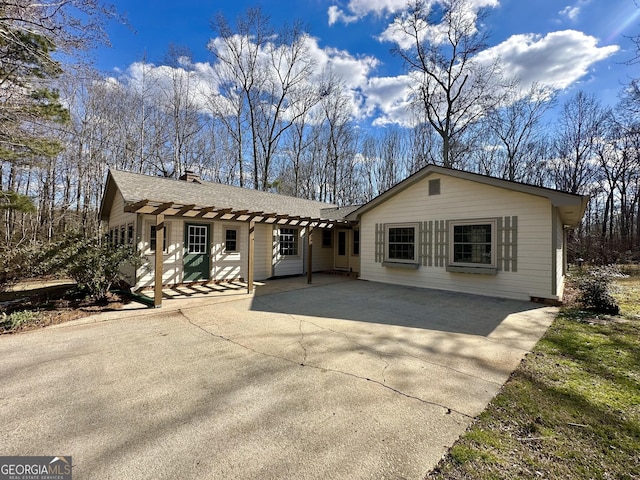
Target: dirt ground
48, 302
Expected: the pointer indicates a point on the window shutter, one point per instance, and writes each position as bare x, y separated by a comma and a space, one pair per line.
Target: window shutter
507, 244
514, 244
420, 247
428, 227
499, 244
379, 243
441, 241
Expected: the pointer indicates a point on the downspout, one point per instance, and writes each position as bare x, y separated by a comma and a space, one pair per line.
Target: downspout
554, 251
139, 232
309, 254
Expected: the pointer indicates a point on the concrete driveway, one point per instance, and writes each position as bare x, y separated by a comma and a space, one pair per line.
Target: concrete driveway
347, 379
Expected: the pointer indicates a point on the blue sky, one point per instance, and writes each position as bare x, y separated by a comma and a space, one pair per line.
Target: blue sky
570, 45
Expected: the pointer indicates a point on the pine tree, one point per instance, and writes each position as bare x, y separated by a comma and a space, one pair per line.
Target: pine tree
26, 102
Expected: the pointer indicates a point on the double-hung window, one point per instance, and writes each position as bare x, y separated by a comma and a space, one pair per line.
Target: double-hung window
401, 243
356, 242
152, 239
288, 241
230, 240
473, 243
327, 238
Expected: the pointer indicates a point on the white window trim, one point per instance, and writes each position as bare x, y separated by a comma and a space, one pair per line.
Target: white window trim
237, 230
297, 237
149, 249
207, 243
416, 242
476, 221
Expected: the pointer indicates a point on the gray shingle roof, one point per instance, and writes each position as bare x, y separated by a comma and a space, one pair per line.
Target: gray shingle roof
136, 187
338, 213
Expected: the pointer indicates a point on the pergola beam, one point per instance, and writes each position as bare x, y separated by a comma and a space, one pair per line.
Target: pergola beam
204, 211
134, 207
185, 209
162, 208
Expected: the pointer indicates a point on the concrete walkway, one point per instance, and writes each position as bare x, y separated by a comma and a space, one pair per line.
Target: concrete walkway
343, 379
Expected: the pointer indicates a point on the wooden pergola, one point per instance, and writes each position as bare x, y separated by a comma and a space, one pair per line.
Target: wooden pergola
210, 212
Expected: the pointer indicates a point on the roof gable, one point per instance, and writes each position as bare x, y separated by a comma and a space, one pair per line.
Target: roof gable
571, 206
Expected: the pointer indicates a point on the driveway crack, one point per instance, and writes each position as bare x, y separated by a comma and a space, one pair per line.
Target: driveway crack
448, 410
380, 355
300, 342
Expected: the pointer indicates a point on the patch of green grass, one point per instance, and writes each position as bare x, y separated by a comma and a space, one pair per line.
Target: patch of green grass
628, 296
17, 319
571, 410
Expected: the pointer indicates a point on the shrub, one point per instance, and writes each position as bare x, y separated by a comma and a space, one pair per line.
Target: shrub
94, 263
16, 319
19, 262
595, 288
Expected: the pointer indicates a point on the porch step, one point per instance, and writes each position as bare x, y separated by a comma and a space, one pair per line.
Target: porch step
341, 273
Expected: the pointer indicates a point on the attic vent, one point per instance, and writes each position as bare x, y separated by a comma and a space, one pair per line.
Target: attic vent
190, 176
434, 187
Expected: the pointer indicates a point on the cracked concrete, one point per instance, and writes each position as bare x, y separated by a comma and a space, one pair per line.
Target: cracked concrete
343, 380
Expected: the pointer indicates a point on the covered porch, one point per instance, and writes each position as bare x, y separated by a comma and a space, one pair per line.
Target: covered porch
219, 291
160, 212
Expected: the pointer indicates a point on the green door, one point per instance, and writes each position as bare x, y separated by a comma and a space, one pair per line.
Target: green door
196, 252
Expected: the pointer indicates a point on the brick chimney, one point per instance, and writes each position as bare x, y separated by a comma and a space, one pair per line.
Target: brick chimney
190, 176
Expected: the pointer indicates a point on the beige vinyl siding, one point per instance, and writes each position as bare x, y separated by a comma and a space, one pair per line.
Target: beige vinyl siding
117, 219
322, 256
118, 216
262, 251
354, 263
224, 266
466, 200
288, 264
173, 255
230, 265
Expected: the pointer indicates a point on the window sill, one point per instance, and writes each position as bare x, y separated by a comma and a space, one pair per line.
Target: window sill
467, 269
406, 266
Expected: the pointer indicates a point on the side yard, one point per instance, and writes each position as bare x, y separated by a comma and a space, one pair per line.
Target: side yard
572, 408
39, 303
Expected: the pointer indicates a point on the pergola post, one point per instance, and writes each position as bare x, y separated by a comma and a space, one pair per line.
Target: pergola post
309, 254
252, 230
159, 261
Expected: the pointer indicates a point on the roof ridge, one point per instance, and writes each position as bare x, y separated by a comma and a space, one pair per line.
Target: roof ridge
226, 185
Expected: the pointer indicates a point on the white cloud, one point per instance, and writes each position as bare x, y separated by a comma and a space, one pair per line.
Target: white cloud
378, 7
570, 12
434, 33
556, 60
336, 15
388, 99
159, 82
201, 79
361, 8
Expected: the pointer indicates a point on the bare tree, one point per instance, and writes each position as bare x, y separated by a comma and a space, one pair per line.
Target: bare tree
579, 128
263, 78
337, 135
515, 126
440, 48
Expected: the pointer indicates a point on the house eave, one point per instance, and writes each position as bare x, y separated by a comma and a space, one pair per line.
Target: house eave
571, 206
211, 212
